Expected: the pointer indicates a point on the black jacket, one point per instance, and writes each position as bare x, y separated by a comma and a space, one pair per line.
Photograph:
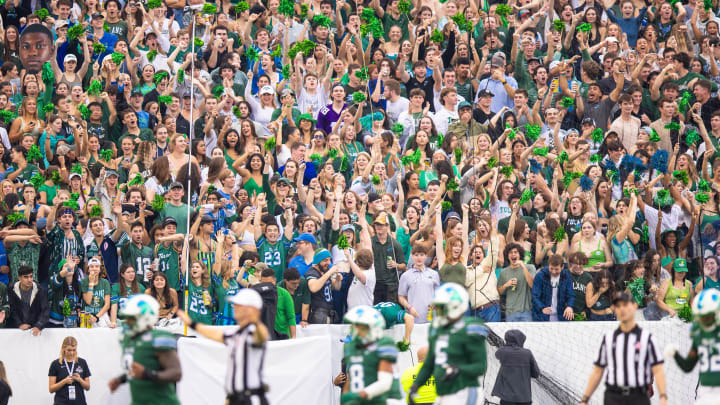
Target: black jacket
36, 315
517, 366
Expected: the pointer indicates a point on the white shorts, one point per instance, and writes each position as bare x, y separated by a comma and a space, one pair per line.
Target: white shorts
466, 396
708, 396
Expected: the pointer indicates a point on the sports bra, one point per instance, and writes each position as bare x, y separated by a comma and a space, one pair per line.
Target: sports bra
597, 256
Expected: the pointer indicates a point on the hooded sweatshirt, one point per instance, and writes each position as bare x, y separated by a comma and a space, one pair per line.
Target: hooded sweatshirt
517, 366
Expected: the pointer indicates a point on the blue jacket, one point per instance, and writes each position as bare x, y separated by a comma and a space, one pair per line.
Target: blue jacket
542, 294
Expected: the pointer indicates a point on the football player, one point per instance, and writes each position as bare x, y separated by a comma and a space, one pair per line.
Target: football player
394, 314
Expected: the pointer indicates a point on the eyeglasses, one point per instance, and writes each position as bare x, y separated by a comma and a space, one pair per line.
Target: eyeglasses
318, 137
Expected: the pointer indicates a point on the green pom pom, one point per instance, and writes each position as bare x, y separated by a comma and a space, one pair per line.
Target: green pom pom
77, 168
270, 144
402, 346
458, 155
286, 70
654, 137
527, 196
7, 116
241, 7
342, 242
117, 58
398, 128
559, 25
211, 189
691, 137
165, 100
315, 157
703, 185
37, 180
75, 31
541, 151
506, 171
562, 157
707, 5
303, 12
180, 75
503, 10
99, 48
151, 55
663, 198
72, 204
462, 22
252, 54
209, 8
47, 73
344, 163
358, 97
492, 162
106, 27
702, 198
684, 101
404, 7
413, 158
559, 234
49, 108
446, 205
367, 14
584, 27
236, 111
304, 46
532, 132
322, 21
158, 203
56, 178
437, 36
595, 158
452, 185
570, 177
42, 14
672, 126
277, 52
106, 154
96, 211
332, 153
137, 180
198, 42
682, 175
567, 102
95, 88
84, 111
218, 91
159, 76
597, 135
375, 179
13, 217
34, 154
362, 74
151, 4
685, 313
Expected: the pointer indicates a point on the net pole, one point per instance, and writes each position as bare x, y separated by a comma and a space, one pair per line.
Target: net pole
186, 256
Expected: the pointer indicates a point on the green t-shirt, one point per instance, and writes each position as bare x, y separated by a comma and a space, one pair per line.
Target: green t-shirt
198, 299
27, 173
139, 257
275, 256
99, 292
453, 273
461, 344
362, 367
178, 212
285, 316
119, 28
393, 313
169, 263
519, 298
706, 345
224, 313
301, 296
27, 255
143, 349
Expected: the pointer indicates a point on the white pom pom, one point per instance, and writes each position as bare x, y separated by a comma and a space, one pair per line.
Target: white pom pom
670, 350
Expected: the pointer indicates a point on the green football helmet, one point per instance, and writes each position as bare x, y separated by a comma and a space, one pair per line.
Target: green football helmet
706, 309
367, 316
449, 303
144, 309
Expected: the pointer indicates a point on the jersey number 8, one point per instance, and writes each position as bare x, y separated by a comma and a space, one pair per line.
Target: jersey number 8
357, 378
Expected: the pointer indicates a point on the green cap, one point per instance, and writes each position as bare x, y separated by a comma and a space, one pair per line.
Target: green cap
680, 265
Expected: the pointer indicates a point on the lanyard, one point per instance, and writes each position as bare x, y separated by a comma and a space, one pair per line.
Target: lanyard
69, 369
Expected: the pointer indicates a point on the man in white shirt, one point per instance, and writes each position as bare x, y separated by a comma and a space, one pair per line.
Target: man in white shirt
396, 104
361, 291
448, 80
448, 113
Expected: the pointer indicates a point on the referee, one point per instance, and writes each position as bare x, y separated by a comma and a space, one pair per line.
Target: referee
629, 354
244, 379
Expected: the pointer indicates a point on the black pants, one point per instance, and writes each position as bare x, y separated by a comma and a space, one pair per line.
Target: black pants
504, 402
385, 293
616, 398
322, 316
240, 399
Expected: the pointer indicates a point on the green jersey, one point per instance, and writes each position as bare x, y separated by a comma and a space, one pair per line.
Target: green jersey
169, 263
99, 292
139, 257
461, 344
117, 298
200, 304
707, 347
393, 313
362, 368
142, 349
275, 256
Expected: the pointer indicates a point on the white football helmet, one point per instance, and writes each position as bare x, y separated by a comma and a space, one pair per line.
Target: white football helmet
368, 316
144, 309
706, 309
449, 303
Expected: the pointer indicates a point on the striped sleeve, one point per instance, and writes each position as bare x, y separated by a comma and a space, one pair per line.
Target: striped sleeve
163, 341
386, 350
601, 360
654, 353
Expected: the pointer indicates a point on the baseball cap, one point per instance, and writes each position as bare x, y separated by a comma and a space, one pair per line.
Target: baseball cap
169, 221
97, 15
498, 60
305, 237
284, 180
206, 219
372, 197
109, 173
534, 60
71, 175
70, 57
588, 121
136, 92
95, 261
176, 184
320, 255
41, 223
464, 104
287, 92
680, 265
21, 221
61, 23
381, 219
347, 227
267, 90
247, 297
485, 93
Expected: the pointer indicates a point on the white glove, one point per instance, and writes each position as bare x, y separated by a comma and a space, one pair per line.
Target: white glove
670, 350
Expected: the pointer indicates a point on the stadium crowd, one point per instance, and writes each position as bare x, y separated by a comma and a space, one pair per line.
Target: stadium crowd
542, 153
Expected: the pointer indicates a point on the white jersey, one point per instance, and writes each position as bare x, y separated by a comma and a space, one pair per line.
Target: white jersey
245, 365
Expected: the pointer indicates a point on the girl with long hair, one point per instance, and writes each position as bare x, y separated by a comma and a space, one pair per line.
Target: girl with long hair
675, 292
69, 375
618, 234
596, 248
178, 154
126, 286
667, 241
598, 296
225, 282
27, 120
165, 296
159, 180
233, 147
144, 159
96, 294
200, 293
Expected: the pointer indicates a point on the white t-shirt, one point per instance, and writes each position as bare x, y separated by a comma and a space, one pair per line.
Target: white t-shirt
362, 294
395, 108
317, 101
443, 118
554, 281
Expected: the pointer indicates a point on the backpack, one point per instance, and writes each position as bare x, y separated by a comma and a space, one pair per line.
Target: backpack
269, 295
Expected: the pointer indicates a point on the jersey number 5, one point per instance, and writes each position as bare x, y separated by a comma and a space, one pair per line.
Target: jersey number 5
440, 345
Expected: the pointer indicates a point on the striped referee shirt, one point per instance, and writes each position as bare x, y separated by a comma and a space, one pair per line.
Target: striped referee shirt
628, 358
245, 366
